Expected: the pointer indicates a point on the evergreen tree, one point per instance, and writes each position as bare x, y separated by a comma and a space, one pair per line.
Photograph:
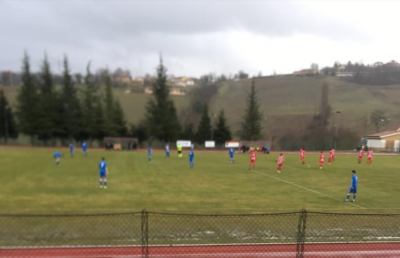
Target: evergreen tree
119, 120
8, 127
188, 132
70, 106
91, 108
48, 117
204, 131
98, 131
109, 106
114, 120
161, 118
251, 124
222, 132
28, 101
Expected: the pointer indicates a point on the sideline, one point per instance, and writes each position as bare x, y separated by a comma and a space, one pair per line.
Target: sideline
306, 188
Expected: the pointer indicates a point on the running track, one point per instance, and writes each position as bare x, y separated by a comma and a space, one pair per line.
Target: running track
342, 250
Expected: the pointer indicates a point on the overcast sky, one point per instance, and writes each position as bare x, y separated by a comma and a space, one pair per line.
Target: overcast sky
198, 37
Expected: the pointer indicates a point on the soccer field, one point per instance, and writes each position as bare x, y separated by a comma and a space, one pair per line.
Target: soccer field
31, 182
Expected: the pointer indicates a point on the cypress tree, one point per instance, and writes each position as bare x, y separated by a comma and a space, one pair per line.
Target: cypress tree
28, 101
70, 106
48, 117
8, 127
89, 105
204, 131
222, 132
251, 124
119, 120
161, 118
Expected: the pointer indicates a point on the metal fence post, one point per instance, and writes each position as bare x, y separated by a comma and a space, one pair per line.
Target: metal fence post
301, 234
145, 234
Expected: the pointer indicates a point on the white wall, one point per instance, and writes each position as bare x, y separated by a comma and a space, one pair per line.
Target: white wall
397, 146
378, 144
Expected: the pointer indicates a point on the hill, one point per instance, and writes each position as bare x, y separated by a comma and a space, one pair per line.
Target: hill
287, 102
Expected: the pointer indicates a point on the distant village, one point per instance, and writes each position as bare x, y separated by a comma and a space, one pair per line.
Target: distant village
179, 85
378, 73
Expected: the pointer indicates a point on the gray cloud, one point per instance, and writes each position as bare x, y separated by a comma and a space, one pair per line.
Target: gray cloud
130, 33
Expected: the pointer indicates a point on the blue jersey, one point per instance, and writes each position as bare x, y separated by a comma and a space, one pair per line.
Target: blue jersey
57, 154
71, 147
231, 152
149, 151
354, 184
191, 155
103, 168
84, 146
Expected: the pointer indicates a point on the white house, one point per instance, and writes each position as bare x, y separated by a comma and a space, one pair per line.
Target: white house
384, 141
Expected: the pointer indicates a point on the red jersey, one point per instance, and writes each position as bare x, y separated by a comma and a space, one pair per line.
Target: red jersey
331, 154
253, 156
280, 160
322, 158
360, 154
302, 154
370, 154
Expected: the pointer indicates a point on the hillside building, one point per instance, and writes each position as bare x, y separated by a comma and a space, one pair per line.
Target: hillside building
384, 141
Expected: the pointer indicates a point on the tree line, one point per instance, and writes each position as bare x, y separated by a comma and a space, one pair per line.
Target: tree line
47, 111
74, 110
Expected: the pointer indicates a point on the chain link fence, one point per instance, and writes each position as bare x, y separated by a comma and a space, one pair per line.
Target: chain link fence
155, 234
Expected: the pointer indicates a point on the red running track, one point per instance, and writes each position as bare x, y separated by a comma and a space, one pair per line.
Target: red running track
334, 250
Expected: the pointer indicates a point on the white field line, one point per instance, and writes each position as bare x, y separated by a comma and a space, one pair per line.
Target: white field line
305, 188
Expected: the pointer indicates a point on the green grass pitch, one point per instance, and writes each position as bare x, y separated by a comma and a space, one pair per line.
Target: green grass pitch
32, 183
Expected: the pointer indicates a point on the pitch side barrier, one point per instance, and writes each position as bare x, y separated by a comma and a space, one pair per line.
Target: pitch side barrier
163, 234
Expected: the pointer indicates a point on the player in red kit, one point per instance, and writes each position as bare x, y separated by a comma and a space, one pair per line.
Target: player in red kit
279, 163
331, 156
370, 157
360, 156
253, 158
302, 156
321, 160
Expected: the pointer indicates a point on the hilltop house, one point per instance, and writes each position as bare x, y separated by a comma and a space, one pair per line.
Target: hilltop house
384, 141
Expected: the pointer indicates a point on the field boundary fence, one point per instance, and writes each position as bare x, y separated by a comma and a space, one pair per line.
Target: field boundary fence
148, 234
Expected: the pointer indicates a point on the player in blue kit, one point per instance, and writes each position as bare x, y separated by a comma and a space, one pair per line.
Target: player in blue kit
191, 156
353, 187
232, 154
71, 149
57, 157
149, 152
103, 173
84, 148
167, 150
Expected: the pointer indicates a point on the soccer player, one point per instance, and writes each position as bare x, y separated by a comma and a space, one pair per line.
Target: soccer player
179, 149
321, 160
331, 156
302, 156
103, 173
57, 157
84, 148
353, 187
191, 156
231, 152
167, 150
253, 158
360, 155
71, 149
370, 156
279, 163
149, 152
